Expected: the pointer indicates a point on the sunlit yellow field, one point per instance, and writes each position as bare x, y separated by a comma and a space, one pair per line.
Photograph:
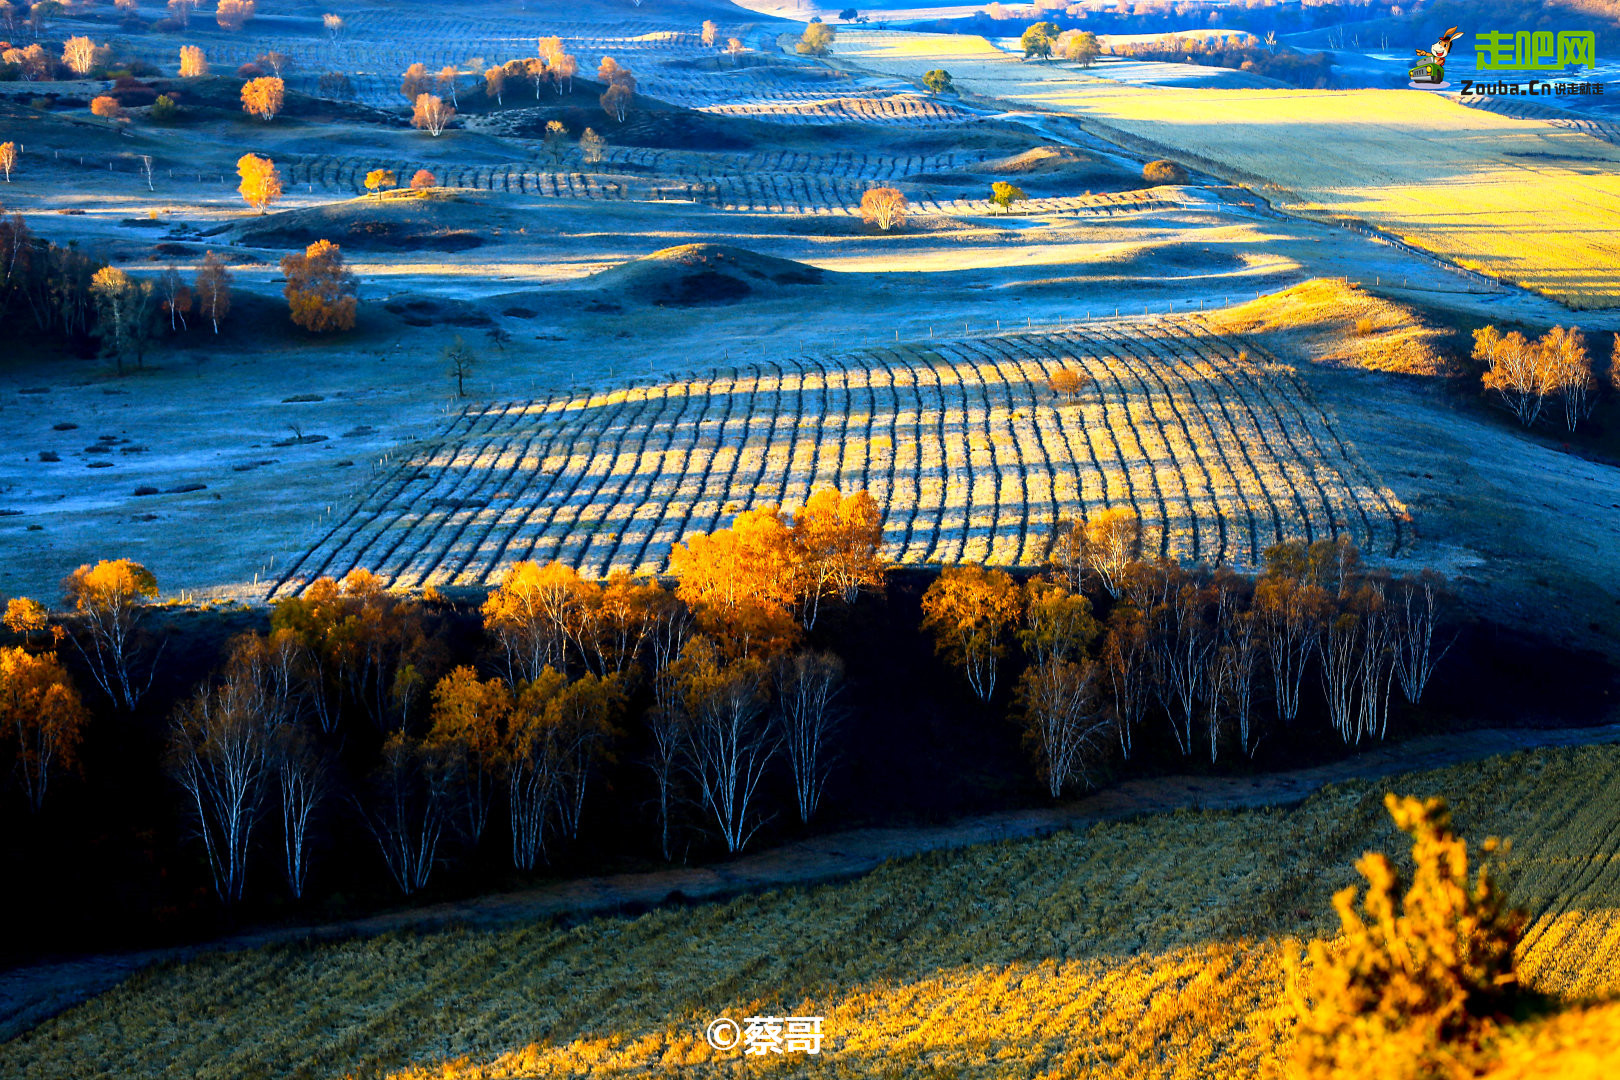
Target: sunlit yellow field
1151, 948
1519, 200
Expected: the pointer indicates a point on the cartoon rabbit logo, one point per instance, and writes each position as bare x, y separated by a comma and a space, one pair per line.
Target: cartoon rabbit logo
1431, 71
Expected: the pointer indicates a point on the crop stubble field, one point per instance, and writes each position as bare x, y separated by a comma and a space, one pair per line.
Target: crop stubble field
1146, 948
1469, 185
969, 453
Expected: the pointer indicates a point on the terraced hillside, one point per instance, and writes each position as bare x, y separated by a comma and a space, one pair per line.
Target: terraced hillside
964, 446
1148, 948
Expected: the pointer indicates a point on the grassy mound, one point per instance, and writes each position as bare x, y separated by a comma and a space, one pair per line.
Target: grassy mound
695, 274
406, 222
1155, 947
1335, 322
1063, 170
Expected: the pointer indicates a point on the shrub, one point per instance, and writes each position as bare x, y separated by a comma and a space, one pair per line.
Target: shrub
106, 107
1164, 172
164, 109
1425, 968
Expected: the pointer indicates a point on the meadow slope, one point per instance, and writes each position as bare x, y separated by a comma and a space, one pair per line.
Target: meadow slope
1153, 947
1518, 199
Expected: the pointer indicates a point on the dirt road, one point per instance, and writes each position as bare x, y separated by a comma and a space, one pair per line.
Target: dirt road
31, 995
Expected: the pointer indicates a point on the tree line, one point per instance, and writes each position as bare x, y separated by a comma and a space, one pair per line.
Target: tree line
1526, 375
1185, 651
266, 752
63, 293
368, 712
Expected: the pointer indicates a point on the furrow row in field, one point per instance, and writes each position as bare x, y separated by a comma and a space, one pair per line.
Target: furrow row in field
961, 443
843, 110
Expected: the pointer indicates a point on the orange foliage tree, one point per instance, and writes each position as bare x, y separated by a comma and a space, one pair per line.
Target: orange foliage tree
729, 742
431, 114
106, 107
415, 82
358, 646
26, 618
495, 83
261, 183
378, 180
193, 64
469, 725
233, 14
42, 718
970, 610
884, 207
320, 290
421, 180
535, 615
742, 583
109, 602
263, 97
447, 78
837, 538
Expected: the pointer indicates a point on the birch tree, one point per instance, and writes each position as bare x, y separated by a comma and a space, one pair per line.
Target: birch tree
220, 754
807, 684
42, 717
304, 779
468, 720
213, 289
729, 744
1064, 724
534, 765
1414, 623
1112, 540
109, 602
407, 810
838, 539
1125, 660
969, 609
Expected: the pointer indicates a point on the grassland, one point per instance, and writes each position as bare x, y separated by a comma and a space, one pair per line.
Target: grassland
1150, 948
1517, 199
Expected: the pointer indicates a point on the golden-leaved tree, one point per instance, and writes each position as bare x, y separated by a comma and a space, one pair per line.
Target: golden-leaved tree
469, 726
109, 602
261, 182
320, 290
837, 540
970, 610
264, 97
742, 583
193, 63
41, 717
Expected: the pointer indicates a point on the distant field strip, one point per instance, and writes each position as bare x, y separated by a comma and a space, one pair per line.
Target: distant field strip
961, 443
804, 108
761, 190
1520, 200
